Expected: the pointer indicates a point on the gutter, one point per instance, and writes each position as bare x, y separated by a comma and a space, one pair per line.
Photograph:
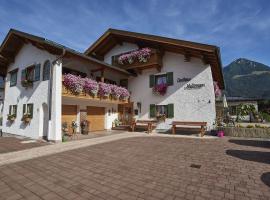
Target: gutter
51, 82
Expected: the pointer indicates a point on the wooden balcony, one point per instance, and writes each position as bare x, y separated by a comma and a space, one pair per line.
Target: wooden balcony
155, 61
83, 95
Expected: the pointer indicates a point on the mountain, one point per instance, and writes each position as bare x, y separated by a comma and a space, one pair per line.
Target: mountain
246, 78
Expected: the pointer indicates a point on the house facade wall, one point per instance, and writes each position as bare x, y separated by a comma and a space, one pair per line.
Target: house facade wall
18, 95
189, 105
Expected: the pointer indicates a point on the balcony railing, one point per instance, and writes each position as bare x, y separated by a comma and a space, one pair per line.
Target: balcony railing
155, 61
83, 95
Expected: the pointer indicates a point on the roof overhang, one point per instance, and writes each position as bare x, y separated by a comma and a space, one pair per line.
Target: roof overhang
209, 54
15, 40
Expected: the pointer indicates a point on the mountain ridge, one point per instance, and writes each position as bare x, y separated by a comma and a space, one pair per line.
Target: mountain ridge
247, 78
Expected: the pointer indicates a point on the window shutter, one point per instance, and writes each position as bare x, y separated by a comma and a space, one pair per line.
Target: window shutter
152, 110
23, 77
30, 109
170, 111
170, 78
10, 109
37, 72
151, 81
15, 110
24, 108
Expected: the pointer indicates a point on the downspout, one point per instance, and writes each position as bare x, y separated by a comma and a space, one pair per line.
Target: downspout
51, 82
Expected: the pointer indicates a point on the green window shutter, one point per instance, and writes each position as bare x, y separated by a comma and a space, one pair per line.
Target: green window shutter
170, 111
30, 109
10, 109
151, 81
37, 72
152, 110
24, 108
170, 78
23, 77
15, 110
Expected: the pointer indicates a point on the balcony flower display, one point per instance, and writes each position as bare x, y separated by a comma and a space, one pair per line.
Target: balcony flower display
90, 87
73, 83
142, 55
124, 93
104, 89
116, 91
160, 89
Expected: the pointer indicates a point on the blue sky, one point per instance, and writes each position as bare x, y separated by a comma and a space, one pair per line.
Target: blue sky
239, 27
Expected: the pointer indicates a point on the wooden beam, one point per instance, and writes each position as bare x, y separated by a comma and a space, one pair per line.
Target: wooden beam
187, 57
97, 70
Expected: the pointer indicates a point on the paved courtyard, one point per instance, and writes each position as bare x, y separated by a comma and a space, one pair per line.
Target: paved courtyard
145, 168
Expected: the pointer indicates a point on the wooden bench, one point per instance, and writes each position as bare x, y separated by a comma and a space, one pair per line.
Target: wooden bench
202, 126
143, 123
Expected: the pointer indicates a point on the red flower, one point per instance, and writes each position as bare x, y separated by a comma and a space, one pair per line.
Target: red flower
160, 89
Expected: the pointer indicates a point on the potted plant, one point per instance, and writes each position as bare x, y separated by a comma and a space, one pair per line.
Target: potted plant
11, 117
104, 90
65, 127
161, 117
160, 89
84, 127
74, 126
26, 117
27, 83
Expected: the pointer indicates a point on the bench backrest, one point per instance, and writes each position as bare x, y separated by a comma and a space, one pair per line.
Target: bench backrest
146, 121
189, 123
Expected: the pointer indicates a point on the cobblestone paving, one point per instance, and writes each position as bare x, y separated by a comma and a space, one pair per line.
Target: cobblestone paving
10, 144
145, 168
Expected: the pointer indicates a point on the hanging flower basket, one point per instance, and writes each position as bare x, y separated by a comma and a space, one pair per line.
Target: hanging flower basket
26, 118
11, 117
161, 117
104, 90
160, 89
73, 83
27, 83
141, 55
90, 87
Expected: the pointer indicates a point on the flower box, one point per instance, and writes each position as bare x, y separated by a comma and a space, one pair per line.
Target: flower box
160, 89
27, 83
26, 118
11, 117
87, 88
149, 59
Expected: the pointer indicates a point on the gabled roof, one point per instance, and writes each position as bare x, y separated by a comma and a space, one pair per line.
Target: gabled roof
208, 53
15, 39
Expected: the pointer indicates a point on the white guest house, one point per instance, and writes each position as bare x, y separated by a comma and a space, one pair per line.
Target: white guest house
122, 77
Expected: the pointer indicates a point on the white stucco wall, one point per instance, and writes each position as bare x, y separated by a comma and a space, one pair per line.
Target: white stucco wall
18, 95
82, 105
189, 105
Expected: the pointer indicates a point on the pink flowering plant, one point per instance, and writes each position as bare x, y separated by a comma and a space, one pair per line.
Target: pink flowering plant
142, 55
116, 91
104, 89
73, 83
160, 89
90, 87
217, 90
124, 93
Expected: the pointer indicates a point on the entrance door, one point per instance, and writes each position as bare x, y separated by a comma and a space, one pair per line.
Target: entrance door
69, 114
96, 118
125, 113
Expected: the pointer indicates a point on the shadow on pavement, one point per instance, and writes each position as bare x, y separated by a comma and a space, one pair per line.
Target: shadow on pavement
256, 156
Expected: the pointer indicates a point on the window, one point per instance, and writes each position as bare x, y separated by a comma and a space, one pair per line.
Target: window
13, 77
46, 70
157, 110
159, 79
28, 109
31, 73
13, 110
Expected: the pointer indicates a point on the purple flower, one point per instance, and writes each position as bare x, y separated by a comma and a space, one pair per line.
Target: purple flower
90, 86
160, 89
124, 93
104, 89
73, 83
142, 55
116, 91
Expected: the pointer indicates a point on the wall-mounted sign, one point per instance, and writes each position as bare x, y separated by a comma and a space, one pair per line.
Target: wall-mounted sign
179, 80
194, 86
